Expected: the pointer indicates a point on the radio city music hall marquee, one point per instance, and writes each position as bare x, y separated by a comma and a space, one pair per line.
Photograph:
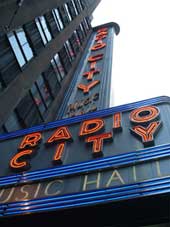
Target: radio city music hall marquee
83, 141
110, 148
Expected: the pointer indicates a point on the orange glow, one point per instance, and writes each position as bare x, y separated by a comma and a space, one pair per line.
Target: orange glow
90, 74
93, 65
30, 140
95, 58
61, 134
102, 30
58, 153
97, 141
144, 114
146, 134
15, 164
117, 118
101, 36
87, 87
91, 126
98, 46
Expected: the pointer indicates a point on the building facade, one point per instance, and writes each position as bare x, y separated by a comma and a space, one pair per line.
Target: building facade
41, 46
67, 160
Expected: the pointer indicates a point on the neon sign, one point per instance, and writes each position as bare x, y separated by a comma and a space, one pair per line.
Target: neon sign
92, 133
92, 75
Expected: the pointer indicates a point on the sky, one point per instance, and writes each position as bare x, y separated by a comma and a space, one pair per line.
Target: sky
141, 53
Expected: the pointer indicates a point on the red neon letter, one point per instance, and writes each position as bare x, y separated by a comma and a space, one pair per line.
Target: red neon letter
58, 153
95, 58
90, 74
86, 88
93, 65
18, 165
98, 46
101, 36
61, 134
144, 114
30, 140
97, 141
102, 30
146, 134
91, 126
117, 122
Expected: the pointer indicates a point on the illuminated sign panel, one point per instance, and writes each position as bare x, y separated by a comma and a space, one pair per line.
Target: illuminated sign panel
117, 153
91, 88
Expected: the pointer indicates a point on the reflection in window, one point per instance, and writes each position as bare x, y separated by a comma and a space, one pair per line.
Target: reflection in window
71, 51
58, 19
59, 65
43, 29
24, 44
68, 12
16, 48
44, 91
37, 99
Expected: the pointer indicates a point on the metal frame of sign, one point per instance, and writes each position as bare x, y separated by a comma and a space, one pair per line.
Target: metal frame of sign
124, 192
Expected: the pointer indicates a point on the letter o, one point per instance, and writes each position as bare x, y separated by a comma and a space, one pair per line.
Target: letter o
144, 114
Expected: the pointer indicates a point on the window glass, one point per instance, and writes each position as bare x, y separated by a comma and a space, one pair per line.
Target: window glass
40, 31
55, 67
45, 28
60, 66
77, 38
24, 43
44, 91
86, 24
67, 10
12, 123
80, 4
71, 52
38, 100
56, 20
82, 29
16, 49
59, 19
75, 9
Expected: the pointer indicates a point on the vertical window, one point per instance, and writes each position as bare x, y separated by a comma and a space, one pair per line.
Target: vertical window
80, 4
68, 12
28, 111
16, 48
59, 65
44, 91
82, 29
58, 19
12, 124
38, 99
28, 54
87, 27
77, 38
75, 9
70, 50
43, 29
52, 81
55, 67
